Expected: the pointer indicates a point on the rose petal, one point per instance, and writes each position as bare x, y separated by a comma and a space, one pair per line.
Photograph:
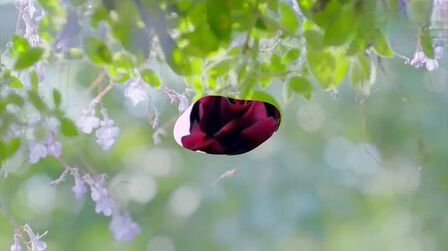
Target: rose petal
227, 129
258, 132
221, 125
209, 114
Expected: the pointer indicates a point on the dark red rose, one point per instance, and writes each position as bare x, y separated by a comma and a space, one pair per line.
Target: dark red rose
220, 125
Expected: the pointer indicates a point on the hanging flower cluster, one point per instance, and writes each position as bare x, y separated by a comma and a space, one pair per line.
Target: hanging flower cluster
420, 59
122, 226
135, 91
107, 132
39, 151
32, 242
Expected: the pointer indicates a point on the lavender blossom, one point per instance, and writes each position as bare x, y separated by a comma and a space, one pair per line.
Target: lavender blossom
16, 246
432, 64
88, 121
53, 147
99, 194
80, 188
37, 151
438, 52
107, 133
420, 59
136, 92
36, 243
123, 228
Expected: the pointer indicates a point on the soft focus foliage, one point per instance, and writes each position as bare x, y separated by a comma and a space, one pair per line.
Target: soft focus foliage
90, 89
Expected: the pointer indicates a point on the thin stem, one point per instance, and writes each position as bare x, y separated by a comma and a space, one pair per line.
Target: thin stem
97, 81
100, 96
4, 211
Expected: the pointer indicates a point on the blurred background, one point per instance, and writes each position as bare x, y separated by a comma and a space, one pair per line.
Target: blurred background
343, 172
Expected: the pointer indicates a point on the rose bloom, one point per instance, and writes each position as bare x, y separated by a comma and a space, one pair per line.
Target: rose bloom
220, 125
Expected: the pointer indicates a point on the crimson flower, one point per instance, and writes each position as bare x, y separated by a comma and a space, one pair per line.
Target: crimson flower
221, 125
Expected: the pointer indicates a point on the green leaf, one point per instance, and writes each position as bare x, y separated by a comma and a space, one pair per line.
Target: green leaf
426, 42
223, 67
56, 98
14, 82
28, 58
219, 19
37, 102
301, 86
276, 64
314, 40
341, 30
52, 7
100, 14
288, 18
34, 80
179, 62
20, 44
291, 56
360, 69
13, 146
357, 45
3, 151
265, 81
68, 128
328, 67
381, 46
124, 61
15, 99
150, 77
97, 51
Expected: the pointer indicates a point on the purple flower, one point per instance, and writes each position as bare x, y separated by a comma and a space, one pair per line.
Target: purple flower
80, 188
419, 59
136, 92
16, 246
88, 121
123, 228
36, 243
438, 52
107, 133
100, 195
37, 151
53, 147
432, 64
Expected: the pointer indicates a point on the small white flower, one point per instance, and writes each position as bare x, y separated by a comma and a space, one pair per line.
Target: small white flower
123, 228
37, 151
53, 147
80, 188
438, 52
432, 64
16, 246
107, 133
136, 92
419, 59
88, 121
36, 243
